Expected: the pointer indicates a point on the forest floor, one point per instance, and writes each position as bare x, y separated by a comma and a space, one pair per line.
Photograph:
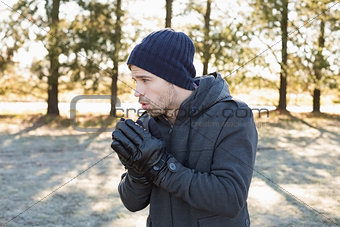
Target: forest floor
54, 175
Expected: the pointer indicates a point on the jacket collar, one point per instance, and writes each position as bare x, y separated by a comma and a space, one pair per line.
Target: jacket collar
212, 89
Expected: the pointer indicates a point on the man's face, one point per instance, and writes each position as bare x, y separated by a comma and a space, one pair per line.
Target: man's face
156, 95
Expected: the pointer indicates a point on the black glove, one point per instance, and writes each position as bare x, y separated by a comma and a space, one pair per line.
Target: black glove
124, 157
148, 154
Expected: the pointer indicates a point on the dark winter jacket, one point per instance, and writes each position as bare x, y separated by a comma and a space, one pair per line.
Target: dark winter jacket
213, 142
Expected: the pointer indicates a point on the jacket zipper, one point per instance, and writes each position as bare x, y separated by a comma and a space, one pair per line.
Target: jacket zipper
171, 125
172, 219
170, 196
171, 212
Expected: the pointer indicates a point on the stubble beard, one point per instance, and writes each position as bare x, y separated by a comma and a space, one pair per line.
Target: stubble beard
166, 104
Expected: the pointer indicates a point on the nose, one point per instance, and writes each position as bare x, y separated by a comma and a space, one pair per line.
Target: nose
139, 91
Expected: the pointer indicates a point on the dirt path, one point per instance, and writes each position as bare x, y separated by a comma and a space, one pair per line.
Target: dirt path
295, 183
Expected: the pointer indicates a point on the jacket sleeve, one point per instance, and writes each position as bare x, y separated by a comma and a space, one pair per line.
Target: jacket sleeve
135, 196
224, 189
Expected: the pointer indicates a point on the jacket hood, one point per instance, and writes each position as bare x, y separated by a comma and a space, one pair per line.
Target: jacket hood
212, 89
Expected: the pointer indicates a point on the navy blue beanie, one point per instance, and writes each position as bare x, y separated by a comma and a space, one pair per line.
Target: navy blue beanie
167, 54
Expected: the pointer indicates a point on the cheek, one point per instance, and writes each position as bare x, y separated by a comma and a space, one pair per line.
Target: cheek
155, 92
152, 97
159, 101
158, 94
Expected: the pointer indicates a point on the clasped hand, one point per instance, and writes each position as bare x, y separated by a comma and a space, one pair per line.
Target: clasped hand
138, 149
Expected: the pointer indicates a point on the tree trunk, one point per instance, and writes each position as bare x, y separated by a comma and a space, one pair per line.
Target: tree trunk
284, 56
168, 17
52, 99
53, 53
114, 89
316, 100
117, 46
318, 65
206, 46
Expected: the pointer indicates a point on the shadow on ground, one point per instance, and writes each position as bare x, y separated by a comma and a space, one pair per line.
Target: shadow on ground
48, 178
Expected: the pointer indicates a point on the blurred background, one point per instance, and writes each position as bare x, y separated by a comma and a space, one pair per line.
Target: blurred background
281, 56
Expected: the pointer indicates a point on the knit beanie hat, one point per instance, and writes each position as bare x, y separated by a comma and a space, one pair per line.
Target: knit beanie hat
167, 54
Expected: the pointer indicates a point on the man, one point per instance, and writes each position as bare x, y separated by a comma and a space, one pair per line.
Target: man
191, 156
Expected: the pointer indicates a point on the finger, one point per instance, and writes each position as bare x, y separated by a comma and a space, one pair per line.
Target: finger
120, 123
131, 134
124, 161
139, 122
120, 150
137, 128
125, 142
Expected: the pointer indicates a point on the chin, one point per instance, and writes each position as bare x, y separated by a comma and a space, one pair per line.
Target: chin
154, 113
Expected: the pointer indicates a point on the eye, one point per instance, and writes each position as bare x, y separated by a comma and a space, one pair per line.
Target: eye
145, 80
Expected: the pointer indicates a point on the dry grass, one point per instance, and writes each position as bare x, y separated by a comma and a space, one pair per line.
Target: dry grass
295, 182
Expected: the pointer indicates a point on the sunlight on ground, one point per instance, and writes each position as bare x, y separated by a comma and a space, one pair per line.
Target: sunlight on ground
264, 196
321, 197
101, 206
